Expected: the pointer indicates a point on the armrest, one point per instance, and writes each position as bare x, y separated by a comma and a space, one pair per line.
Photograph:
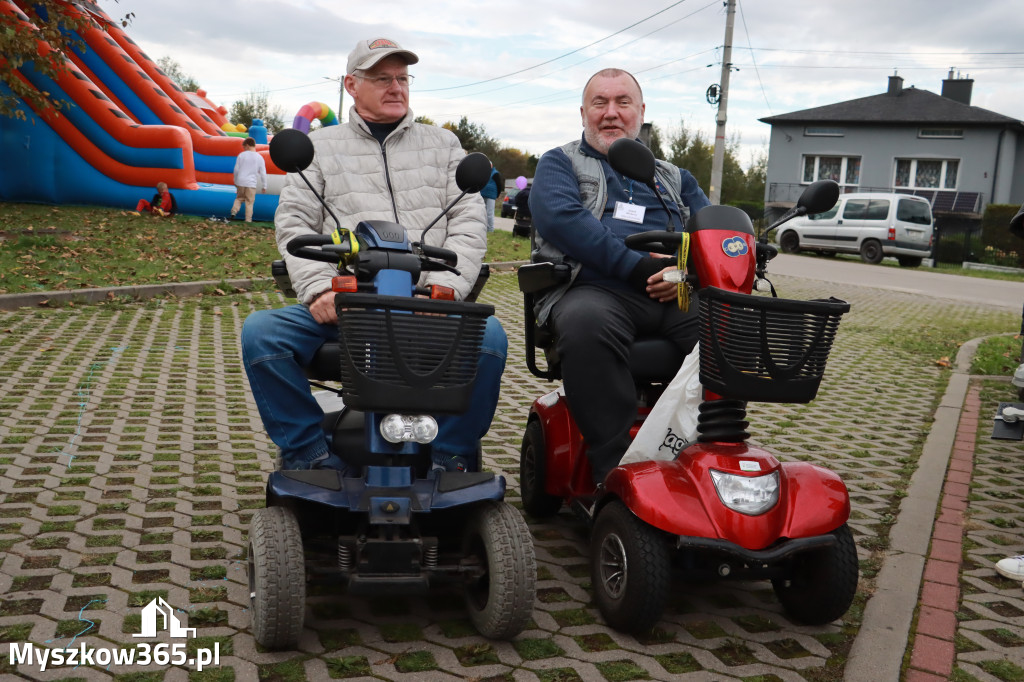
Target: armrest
539, 276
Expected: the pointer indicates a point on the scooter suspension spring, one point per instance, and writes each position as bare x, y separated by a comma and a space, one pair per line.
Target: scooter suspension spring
430, 556
722, 421
344, 557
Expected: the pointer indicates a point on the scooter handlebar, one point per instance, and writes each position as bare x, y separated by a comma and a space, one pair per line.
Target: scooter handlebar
304, 245
654, 240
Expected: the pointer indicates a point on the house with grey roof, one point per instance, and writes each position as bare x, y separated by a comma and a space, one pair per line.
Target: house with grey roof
960, 157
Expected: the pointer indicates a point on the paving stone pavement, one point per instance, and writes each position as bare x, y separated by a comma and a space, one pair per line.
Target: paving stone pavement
132, 457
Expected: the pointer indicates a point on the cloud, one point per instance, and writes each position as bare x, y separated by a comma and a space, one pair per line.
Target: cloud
806, 53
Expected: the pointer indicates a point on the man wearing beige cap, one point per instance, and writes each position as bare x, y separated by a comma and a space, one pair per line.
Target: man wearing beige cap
380, 165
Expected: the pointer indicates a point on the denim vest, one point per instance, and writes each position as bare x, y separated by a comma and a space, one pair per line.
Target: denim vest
594, 195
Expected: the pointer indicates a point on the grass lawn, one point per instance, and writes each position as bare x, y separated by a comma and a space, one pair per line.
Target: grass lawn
52, 248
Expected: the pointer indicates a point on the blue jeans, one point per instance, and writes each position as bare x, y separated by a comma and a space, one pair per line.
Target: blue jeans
277, 344
489, 213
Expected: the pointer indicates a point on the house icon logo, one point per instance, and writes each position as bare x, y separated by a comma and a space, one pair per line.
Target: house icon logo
156, 610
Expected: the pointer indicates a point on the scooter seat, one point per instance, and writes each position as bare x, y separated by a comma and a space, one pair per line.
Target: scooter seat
326, 363
654, 361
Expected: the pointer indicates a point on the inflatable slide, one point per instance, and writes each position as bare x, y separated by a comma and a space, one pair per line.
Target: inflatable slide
128, 127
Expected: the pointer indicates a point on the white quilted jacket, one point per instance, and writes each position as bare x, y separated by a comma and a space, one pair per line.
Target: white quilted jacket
408, 181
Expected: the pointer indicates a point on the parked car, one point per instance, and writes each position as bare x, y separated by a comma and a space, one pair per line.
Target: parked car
871, 224
508, 206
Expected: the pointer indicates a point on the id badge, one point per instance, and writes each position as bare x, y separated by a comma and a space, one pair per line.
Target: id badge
631, 213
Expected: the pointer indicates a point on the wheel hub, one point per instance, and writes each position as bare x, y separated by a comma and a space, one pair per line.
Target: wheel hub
614, 566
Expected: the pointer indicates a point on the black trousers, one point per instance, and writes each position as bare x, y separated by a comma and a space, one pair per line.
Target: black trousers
595, 328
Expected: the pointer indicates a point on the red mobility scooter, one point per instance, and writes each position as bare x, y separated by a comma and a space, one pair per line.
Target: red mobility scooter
721, 507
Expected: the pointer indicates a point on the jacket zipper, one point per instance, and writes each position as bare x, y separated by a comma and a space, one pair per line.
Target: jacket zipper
387, 178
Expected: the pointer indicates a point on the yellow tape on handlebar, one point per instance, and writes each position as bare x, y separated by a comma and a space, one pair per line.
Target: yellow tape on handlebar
683, 288
340, 236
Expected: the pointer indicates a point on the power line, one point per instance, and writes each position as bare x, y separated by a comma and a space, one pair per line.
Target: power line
888, 54
743, 18
588, 59
555, 59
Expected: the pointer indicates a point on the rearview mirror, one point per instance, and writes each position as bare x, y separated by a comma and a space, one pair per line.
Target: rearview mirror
632, 159
291, 150
473, 173
819, 197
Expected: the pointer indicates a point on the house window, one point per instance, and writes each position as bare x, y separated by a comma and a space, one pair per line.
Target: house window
843, 169
819, 131
927, 173
941, 132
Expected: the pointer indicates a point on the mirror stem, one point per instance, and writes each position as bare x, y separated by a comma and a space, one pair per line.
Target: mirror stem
443, 213
337, 223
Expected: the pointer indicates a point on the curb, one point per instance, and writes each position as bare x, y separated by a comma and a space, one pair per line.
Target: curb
144, 292
878, 650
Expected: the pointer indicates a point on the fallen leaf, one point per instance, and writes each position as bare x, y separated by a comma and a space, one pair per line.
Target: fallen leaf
943, 362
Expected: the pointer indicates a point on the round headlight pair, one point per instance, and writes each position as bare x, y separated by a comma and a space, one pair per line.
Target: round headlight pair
403, 428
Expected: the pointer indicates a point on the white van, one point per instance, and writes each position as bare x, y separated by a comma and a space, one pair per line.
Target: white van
872, 224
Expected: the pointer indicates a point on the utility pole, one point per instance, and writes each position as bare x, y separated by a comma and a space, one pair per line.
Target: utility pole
719, 158
341, 94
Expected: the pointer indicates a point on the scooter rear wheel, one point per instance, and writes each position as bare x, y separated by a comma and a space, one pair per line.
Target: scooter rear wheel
533, 474
629, 569
822, 583
277, 578
500, 601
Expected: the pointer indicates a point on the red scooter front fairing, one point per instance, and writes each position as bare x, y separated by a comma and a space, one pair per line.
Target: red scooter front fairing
680, 498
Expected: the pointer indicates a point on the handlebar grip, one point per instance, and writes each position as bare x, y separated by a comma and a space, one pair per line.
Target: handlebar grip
302, 246
447, 255
663, 242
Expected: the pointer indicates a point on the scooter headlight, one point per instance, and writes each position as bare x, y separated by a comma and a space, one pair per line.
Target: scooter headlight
401, 428
750, 495
424, 429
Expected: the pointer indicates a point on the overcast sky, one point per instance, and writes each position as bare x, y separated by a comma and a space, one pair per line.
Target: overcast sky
518, 68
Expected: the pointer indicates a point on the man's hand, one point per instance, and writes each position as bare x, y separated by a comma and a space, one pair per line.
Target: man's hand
323, 310
659, 289
647, 277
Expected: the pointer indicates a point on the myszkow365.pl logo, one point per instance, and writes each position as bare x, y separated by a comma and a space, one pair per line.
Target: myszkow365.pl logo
156, 615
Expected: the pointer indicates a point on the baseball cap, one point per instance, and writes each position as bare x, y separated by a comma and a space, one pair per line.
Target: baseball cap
369, 52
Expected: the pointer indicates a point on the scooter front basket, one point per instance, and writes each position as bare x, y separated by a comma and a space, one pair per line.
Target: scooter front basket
408, 354
765, 349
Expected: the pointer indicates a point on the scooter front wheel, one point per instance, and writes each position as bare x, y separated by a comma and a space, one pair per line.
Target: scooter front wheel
629, 569
822, 583
277, 578
533, 474
500, 599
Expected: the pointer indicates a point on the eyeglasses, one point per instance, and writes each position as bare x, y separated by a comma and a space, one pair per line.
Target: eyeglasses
384, 82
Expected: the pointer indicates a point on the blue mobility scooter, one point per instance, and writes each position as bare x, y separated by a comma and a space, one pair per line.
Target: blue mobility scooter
400, 524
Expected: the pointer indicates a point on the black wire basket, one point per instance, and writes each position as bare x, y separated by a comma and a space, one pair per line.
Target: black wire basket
409, 355
765, 349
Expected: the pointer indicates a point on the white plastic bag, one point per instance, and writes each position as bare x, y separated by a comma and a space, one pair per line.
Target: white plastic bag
671, 426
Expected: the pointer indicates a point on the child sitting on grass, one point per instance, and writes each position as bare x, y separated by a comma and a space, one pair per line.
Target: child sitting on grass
162, 203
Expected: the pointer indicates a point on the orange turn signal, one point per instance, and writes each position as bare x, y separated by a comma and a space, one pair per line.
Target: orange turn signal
442, 293
344, 284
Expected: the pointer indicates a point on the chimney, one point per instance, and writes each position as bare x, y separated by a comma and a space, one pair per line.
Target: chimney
895, 85
958, 89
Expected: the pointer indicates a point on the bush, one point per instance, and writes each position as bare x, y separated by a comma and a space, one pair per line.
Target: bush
754, 209
995, 245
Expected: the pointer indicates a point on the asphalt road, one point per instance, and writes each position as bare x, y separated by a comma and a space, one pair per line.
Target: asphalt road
923, 281
935, 285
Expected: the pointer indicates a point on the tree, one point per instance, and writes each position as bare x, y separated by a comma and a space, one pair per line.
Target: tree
425, 120
694, 152
51, 23
257, 105
656, 143
173, 70
473, 137
509, 161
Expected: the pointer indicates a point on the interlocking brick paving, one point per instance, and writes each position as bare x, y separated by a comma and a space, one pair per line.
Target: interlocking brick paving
990, 621
132, 457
